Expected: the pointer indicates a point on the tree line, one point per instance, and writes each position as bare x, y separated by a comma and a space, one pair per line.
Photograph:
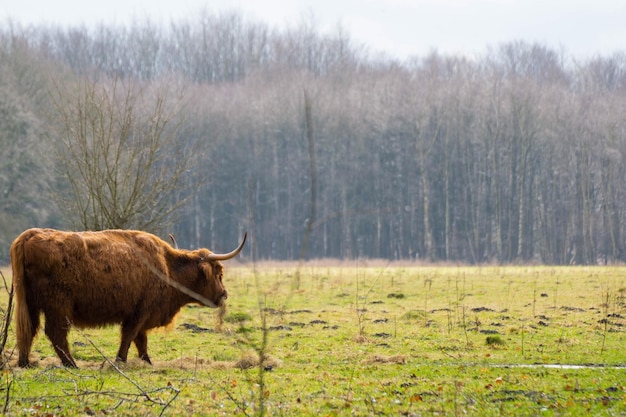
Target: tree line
511, 156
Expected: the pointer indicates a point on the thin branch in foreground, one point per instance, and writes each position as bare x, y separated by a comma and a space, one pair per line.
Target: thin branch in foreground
7, 397
177, 285
143, 392
114, 365
7, 320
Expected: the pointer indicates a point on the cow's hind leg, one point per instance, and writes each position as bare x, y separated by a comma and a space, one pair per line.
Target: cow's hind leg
56, 330
141, 341
25, 339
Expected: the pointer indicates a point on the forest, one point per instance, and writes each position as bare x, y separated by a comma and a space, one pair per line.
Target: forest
214, 125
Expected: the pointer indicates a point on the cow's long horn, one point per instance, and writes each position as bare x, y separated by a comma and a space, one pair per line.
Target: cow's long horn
229, 255
173, 241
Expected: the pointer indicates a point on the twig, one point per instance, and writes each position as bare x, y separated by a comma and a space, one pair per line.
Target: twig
176, 393
113, 364
7, 396
6, 286
177, 285
143, 392
7, 320
123, 396
606, 318
241, 405
361, 312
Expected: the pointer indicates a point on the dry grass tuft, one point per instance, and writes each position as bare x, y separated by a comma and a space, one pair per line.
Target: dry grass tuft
251, 360
219, 317
394, 359
221, 365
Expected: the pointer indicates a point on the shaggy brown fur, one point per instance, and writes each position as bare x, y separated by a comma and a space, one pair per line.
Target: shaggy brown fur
91, 279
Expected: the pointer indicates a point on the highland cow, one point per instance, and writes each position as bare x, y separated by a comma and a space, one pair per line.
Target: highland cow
92, 279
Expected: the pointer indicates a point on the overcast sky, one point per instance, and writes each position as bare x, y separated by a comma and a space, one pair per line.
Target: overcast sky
400, 28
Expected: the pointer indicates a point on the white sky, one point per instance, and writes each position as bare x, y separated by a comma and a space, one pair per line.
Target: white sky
400, 28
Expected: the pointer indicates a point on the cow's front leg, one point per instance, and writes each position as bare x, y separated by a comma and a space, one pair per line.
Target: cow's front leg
130, 332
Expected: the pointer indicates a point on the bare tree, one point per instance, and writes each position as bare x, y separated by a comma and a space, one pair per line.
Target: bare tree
24, 169
119, 152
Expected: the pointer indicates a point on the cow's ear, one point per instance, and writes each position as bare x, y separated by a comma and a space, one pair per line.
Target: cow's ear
203, 268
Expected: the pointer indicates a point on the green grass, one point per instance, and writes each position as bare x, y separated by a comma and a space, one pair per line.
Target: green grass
358, 339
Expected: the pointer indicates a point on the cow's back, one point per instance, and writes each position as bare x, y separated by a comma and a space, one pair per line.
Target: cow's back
93, 278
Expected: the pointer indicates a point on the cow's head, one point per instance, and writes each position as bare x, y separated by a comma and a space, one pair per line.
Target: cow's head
211, 271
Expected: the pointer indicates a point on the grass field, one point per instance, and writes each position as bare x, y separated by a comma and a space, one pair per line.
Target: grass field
362, 338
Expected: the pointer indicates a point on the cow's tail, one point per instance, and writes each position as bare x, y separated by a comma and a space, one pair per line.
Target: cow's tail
24, 330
